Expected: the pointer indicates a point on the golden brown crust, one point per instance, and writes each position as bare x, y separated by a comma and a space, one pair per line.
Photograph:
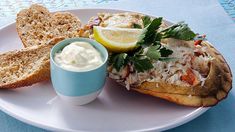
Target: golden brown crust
216, 87
42, 73
175, 98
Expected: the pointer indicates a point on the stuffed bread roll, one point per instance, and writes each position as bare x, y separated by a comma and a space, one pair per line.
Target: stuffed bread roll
188, 71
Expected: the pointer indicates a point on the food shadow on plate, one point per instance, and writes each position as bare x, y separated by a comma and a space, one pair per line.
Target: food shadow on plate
24, 94
115, 95
114, 100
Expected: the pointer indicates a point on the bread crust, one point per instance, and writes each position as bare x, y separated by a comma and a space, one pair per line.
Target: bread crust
216, 87
41, 73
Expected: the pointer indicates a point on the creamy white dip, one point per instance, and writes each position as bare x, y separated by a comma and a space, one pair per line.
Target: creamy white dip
78, 56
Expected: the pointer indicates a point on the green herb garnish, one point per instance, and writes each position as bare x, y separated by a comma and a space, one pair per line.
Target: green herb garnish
153, 53
165, 52
118, 60
138, 26
141, 63
149, 33
149, 47
146, 20
178, 31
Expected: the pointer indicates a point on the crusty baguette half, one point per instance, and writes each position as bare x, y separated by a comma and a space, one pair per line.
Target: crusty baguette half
36, 25
26, 66
216, 87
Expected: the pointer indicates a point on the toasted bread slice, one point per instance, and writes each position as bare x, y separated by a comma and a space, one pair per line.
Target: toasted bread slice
36, 25
26, 66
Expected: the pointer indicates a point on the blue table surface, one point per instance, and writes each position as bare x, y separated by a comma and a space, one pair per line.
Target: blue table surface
204, 16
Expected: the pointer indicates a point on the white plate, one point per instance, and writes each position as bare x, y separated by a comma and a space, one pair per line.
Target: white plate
116, 109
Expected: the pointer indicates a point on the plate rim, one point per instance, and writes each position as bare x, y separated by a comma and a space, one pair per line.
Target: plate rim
196, 113
191, 116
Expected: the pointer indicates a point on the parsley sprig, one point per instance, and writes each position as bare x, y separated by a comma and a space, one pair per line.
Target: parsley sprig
149, 47
178, 31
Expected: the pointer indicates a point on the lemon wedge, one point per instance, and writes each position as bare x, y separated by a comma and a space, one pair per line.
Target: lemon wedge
117, 39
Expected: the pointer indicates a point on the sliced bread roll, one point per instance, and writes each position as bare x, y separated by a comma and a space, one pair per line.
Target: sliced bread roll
36, 25
26, 66
211, 75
